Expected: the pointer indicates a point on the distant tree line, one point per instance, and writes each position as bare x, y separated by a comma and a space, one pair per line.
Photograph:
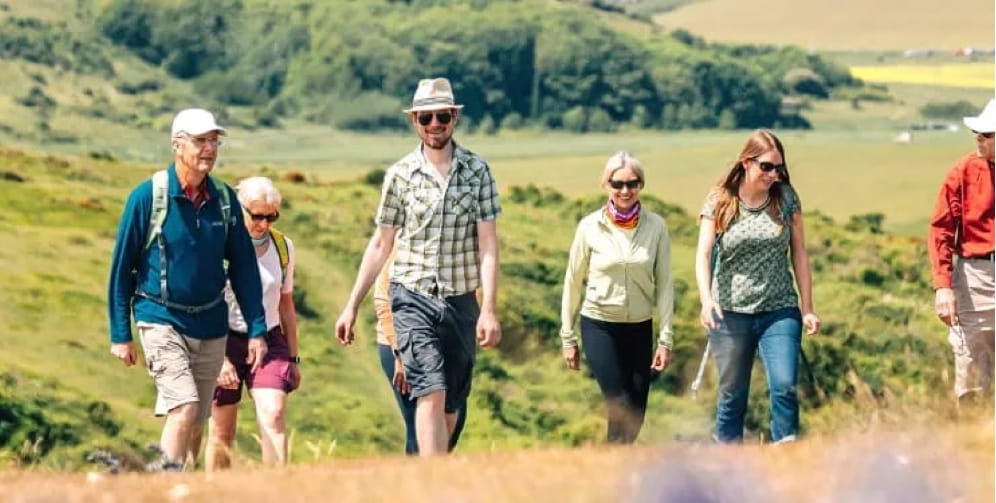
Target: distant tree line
512, 63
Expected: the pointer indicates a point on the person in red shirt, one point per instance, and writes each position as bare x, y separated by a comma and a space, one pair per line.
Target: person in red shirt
961, 256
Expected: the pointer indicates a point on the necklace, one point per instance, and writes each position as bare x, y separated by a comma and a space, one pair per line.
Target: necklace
759, 207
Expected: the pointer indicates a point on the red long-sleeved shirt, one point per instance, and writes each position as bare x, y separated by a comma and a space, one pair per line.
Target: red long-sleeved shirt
962, 223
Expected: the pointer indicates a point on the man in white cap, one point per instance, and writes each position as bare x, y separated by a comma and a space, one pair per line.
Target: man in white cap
961, 255
176, 231
441, 202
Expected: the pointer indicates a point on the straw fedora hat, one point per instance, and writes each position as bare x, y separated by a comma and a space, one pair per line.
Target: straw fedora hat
432, 94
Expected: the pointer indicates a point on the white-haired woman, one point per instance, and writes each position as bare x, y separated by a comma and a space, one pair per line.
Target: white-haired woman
618, 276
279, 374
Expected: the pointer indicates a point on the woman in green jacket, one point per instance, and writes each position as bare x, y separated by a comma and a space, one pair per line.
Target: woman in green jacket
618, 276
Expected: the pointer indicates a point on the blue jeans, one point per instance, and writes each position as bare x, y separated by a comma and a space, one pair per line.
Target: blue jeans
406, 404
778, 336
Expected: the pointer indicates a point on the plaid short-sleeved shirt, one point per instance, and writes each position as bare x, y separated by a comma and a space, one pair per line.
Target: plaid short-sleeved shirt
437, 252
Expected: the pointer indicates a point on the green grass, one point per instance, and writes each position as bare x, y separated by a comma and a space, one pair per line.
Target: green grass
60, 226
838, 172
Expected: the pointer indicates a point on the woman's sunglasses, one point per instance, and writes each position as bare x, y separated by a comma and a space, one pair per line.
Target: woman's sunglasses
272, 217
425, 118
631, 184
768, 167
984, 135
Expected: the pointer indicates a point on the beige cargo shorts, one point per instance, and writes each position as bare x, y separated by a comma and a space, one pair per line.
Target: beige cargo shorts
184, 368
973, 340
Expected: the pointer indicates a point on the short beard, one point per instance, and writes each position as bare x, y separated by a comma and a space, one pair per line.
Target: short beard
436, 144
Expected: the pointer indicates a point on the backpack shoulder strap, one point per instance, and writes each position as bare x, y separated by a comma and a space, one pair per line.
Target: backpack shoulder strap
160, 204
280, 241
226, 201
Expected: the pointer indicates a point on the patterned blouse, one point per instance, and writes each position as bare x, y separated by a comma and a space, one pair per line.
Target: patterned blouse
753, 271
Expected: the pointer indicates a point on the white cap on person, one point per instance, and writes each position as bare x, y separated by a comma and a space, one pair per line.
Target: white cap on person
986, 121
195, 122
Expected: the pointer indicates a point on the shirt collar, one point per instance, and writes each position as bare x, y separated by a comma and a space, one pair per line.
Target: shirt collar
459, 153
206, 189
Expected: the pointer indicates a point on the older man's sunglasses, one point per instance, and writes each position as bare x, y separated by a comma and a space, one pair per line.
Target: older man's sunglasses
271, 217
425, 118
984, 135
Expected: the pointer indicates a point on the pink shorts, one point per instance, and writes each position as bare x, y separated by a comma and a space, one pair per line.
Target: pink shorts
273, 374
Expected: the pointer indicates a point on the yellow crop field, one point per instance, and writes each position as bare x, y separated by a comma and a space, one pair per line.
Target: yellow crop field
976, 75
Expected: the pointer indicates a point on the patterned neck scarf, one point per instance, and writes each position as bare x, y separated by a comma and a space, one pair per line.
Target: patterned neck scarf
626, 219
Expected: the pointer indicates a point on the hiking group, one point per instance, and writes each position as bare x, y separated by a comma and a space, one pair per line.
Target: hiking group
209, 282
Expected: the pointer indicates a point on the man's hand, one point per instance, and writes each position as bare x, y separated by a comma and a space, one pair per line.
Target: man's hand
344, 326
228, 378
257, 351
125, 351
400, 382
488, 330
572, 357
946, 306
662, 358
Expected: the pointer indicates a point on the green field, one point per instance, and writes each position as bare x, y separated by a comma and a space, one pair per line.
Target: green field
840, 173
848, 25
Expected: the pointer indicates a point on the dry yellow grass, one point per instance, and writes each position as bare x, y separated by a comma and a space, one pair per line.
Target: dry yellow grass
946, 463
975, 75
840, 25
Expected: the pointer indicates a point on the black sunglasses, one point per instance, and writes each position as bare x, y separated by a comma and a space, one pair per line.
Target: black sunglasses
631, 184
984, 135
768, 167
272, 217
425, 118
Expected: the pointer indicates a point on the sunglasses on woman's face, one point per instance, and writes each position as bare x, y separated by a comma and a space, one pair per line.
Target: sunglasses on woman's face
984, 135
768, 167
425, 118
630, 184
272, 217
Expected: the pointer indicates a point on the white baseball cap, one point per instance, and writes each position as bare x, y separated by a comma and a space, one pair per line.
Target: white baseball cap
986, 121
195, 122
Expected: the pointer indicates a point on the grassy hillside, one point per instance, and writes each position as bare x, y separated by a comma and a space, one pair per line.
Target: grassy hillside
77, 133
883, 352
847, 25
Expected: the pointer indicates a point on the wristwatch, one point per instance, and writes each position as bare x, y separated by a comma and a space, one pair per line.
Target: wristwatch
295, 359
396, 352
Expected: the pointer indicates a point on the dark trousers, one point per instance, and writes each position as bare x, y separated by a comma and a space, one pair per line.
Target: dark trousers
406, 404
620, 355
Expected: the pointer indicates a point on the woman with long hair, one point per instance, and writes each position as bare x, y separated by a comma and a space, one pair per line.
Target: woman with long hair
751, 240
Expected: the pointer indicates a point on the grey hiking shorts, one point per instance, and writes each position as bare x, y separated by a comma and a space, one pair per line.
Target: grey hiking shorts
436, 341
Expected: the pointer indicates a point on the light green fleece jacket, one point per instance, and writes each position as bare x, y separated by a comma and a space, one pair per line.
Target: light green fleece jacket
624, 275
